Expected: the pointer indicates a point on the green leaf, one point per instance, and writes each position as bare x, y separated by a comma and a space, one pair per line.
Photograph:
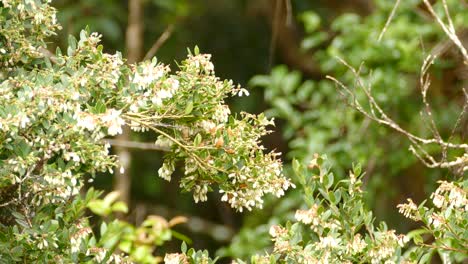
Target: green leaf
183, 247
328, 180
260, 80
71, 45
290, 82
182, 237
99, 207
120, 207
103, 228
111, 197
125, 246
297, 167
197, 140
311, 21
427, 257
314, 40
337, 195
417, 239
189, 107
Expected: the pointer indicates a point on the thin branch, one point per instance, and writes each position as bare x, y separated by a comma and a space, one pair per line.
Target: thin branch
159, 42
390, 17
194, 223
447, 13
443, 247
9, 202
449, 30
377, 114
461, 115
384, 119
425, 83
135, 145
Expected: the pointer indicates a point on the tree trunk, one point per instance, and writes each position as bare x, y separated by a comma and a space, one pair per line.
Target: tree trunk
134, 43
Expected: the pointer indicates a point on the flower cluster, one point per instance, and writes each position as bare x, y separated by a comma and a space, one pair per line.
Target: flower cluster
309, 216
77, 238
446, 221
28, 23
338, 228
55, 116
175, 258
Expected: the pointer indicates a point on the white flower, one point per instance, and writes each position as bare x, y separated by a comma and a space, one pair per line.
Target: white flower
243, 91
308, 216
38, 17
146, 73
199, 194
88, 122
173, 84
175, 258
276, 231
438, 200
24, 120
113, 122
457, 198
160, 95
72, 156
402, 240
208, 126
222, 113
156, 100
54, 18
77, 237
133, 108
357, 245
166, 170
409, 210
436, 220
329, 241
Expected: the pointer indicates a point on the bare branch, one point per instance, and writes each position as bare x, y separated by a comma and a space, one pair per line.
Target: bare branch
9, 202
135, 145
377, 114
448, 29
194, 223
390, 17
159, 42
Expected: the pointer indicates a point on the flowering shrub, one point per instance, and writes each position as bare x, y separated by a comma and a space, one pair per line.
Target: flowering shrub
335, 227
445, 222
55, 111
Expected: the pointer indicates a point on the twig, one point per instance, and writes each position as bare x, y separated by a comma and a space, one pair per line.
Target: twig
377, 114
425, 83
194, 224
135, 145
449, 30
390, 17
159, 42
9, 202
460, 116
443, 247
384, 119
